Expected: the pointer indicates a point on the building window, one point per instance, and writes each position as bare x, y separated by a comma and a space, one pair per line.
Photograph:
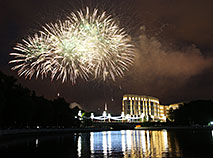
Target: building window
128, 107
157, 109
152, 108
141, 106
133, 110
127, 103
147, 104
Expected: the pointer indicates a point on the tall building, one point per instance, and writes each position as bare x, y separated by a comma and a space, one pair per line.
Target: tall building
146, 107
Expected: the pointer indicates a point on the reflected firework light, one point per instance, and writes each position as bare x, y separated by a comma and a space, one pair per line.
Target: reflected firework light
87, 45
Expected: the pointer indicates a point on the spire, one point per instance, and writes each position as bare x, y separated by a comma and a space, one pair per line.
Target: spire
105, 107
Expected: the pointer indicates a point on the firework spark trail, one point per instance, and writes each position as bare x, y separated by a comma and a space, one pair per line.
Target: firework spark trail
85, 45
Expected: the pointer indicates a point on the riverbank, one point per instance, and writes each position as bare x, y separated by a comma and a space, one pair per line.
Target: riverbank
8, 132
176, 128
40, 131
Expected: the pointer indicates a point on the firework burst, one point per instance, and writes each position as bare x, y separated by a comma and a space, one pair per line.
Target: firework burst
86, 45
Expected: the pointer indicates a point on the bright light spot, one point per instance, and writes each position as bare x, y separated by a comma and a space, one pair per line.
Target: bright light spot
212, 134
143, 139
36, 143
123, 141
79, 146
129, 139
104, 144
92, 142
122, 114
92, 116
148, 140
79, 113
109, 142
127, 117
165, 139
104, 114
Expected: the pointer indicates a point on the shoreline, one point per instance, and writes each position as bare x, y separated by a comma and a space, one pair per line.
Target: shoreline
9, 132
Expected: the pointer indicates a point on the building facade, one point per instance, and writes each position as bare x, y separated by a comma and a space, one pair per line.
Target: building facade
145, 107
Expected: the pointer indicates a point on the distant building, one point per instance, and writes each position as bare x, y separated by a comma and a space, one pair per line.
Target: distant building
146, 107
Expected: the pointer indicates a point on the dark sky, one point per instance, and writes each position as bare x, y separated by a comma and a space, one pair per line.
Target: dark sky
173, 39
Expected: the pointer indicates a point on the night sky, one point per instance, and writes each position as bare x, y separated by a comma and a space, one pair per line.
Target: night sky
173, 40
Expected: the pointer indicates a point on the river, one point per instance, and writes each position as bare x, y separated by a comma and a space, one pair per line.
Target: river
124, 143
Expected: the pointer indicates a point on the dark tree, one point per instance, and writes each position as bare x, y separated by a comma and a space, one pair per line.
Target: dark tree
195, 112
21, 108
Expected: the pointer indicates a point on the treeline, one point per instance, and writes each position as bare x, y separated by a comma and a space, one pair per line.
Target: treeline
195, 112
21, 108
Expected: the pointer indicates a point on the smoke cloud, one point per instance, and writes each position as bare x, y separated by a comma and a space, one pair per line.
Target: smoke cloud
159, 69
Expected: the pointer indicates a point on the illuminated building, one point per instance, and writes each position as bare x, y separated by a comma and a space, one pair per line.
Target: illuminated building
137, 108
145, 107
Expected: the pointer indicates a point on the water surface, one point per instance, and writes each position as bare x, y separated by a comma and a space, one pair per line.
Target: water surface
125, 143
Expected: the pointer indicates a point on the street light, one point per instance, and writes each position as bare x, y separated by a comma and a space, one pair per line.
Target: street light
127, 117
142, 117
109, 116
122, 116
92, 116
104, 115
79, 114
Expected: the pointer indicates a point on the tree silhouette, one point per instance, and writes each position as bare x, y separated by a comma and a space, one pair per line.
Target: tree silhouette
195, 112
21, 108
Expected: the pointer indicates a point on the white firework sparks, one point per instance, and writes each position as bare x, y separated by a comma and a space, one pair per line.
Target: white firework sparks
85, 45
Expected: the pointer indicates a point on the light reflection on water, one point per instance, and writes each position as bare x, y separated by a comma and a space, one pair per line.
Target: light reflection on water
125, 143
36, 143
79, 146
104, 144
212, 134
130, 143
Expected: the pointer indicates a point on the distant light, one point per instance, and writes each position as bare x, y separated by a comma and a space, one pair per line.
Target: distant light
127, 116
109, 142
212, 134
109, 115
92, 116
122, 114
165, 139
79, 146
104, 114
36, 143
211, 123
79, 113
104, 145
37, 127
